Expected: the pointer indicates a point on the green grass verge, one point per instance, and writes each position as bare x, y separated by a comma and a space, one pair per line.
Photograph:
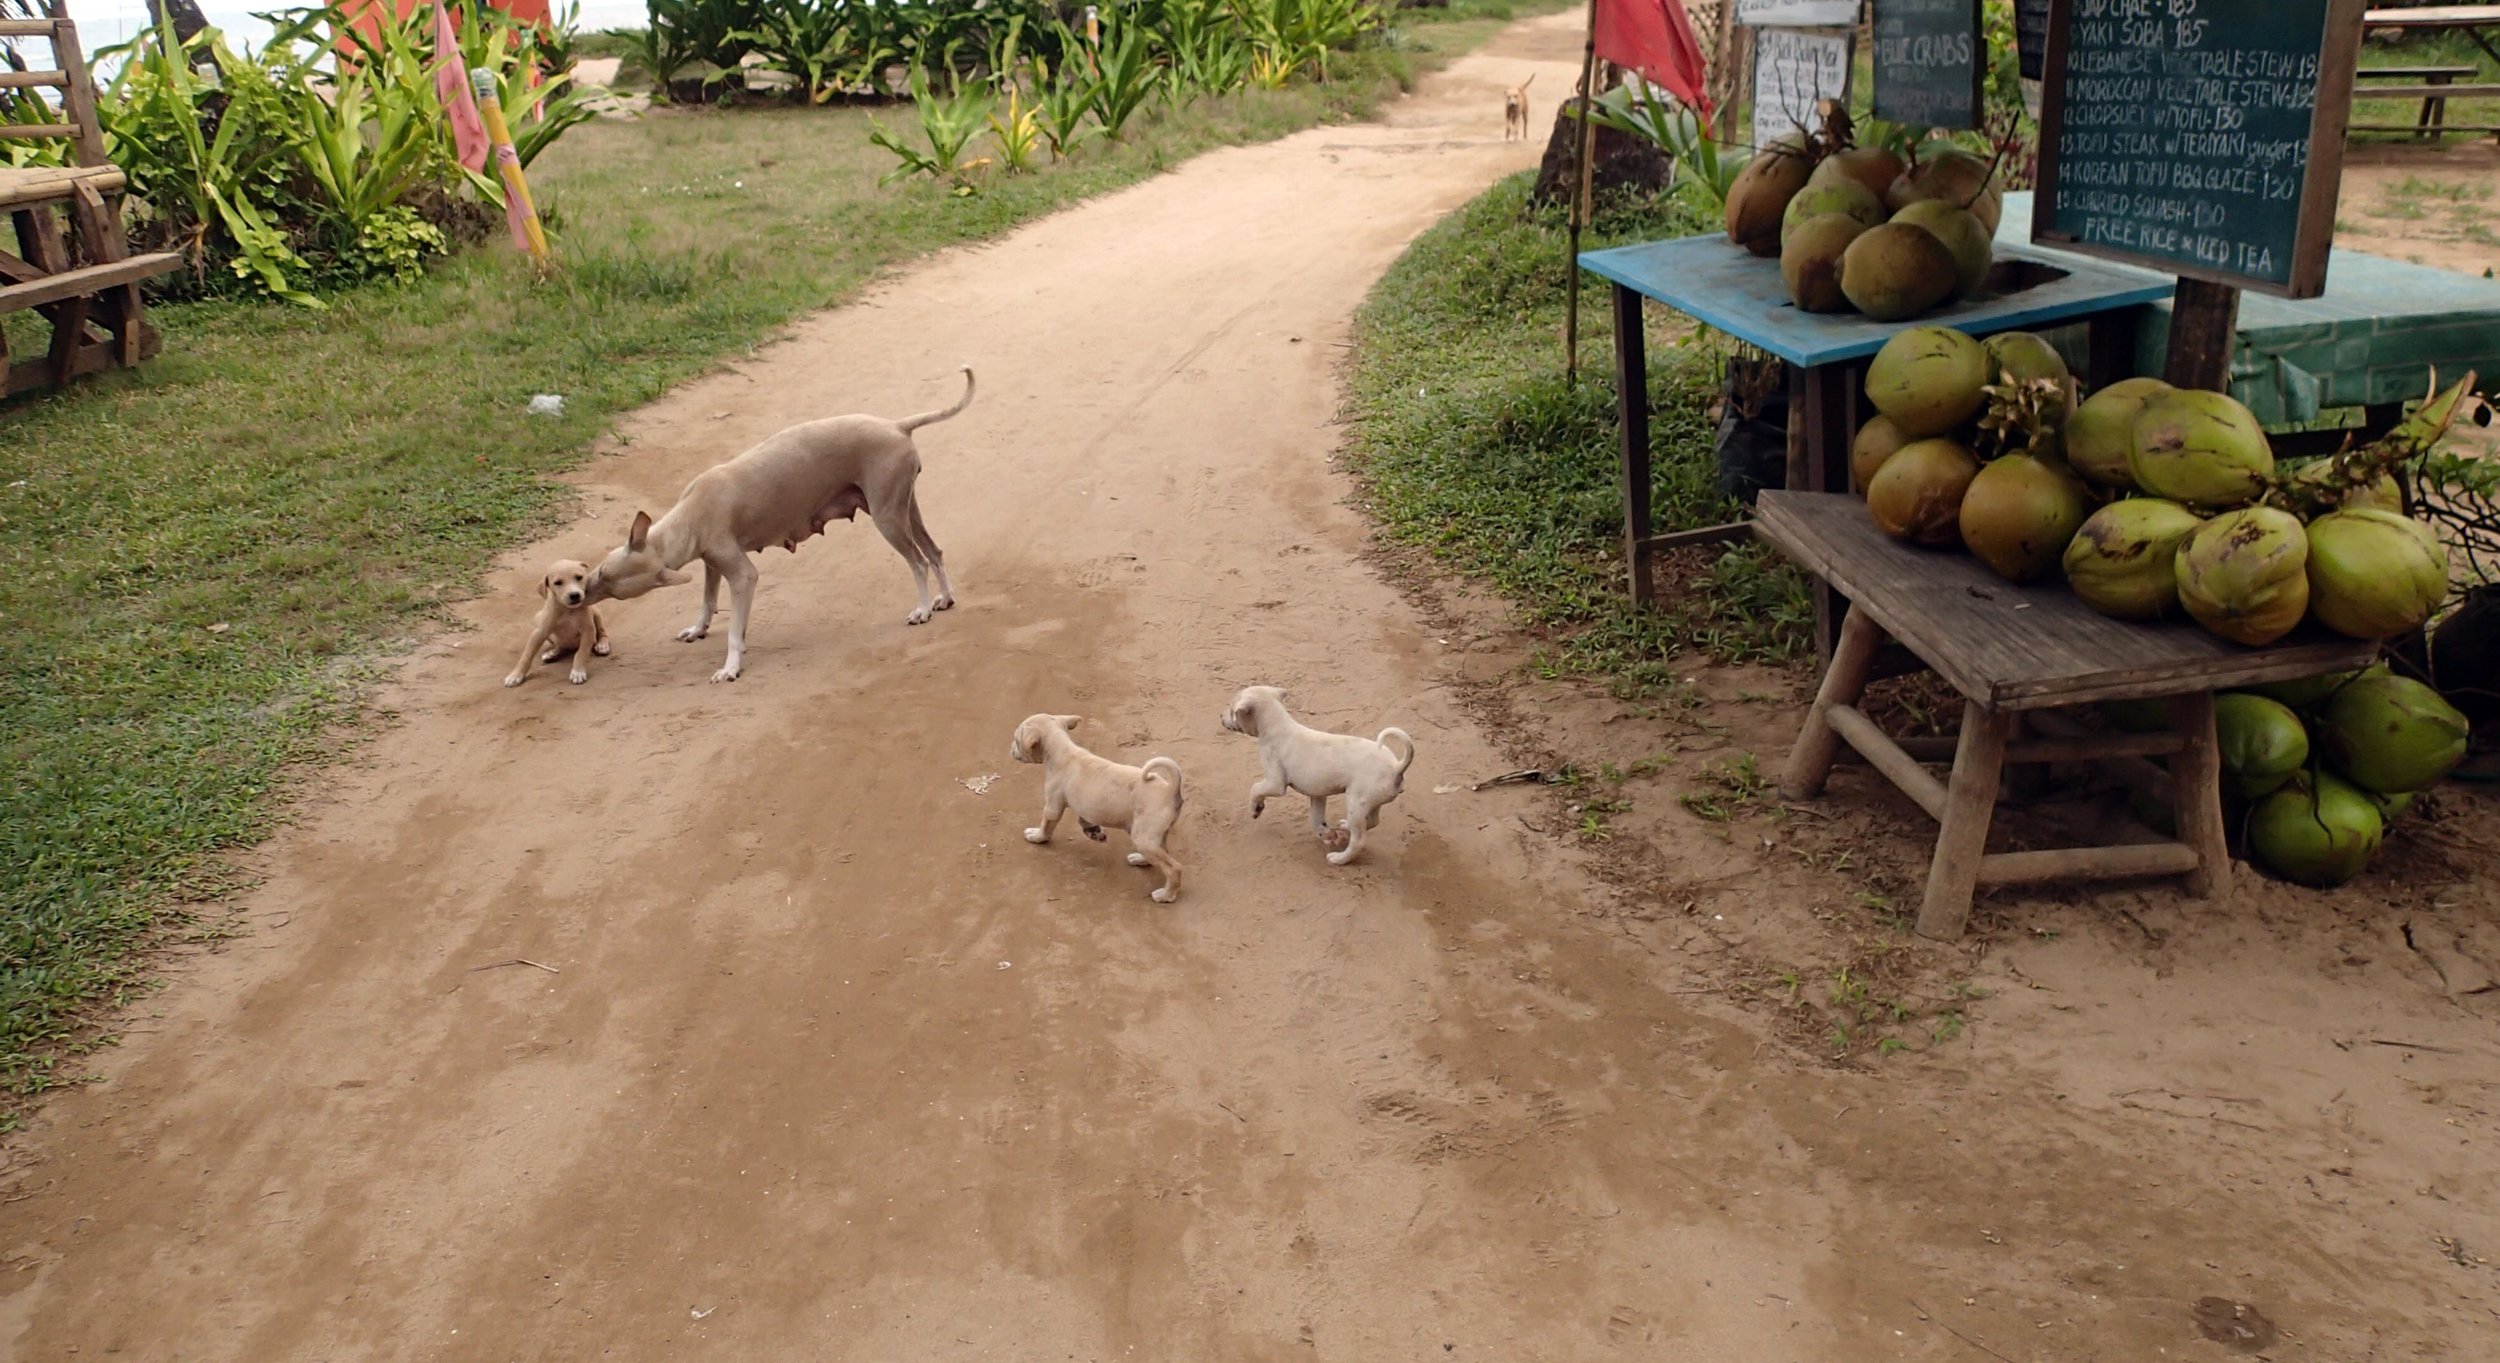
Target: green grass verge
1473, 446
199, 561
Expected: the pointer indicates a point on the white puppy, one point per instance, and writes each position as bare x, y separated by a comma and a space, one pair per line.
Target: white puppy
1314, 764
1144, 801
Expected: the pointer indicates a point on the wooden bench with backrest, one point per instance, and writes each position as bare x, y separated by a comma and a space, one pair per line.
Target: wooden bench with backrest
73, 264
2428, 79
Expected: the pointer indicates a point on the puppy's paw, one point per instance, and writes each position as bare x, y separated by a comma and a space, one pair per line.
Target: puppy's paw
692, 632
1138, 859
1341, 858
600, 648
1162, 896
1333, 838
1258, 806
513, 680
919, 616
945, 603
1036, 835
1091, 830
548, 656
726, 674
578, 677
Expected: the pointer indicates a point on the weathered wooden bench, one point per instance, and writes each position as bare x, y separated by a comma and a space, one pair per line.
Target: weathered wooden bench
2428, 78
73, 264
2014, 653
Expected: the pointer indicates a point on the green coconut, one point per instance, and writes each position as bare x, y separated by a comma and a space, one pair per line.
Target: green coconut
2019, 513
1875, 168
1961, 233
1928, 380
1953, 175
2021, 357
2100, 434
1917, 495
2263, 743
2392, 734
2320, 837
2302, 693
2243, 574
1845, 197
2201, 448
2383, 493
2123, 561
1876, 441
2374, 574
1895, 272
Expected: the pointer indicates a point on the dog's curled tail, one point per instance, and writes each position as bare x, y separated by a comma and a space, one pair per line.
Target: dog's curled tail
1167, 768
1531, 80
1408, 759
913, 423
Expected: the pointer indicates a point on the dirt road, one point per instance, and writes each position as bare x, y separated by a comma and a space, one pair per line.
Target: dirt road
820, 1060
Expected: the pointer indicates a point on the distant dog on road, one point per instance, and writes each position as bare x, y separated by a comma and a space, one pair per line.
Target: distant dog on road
568, 623
1315, 764
1145, 801
784, 491
1515, 110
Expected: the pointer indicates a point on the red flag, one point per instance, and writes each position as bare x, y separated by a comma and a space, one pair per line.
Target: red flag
451, 86
1655, 38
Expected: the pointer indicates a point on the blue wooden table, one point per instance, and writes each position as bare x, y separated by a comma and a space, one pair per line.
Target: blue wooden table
1715, 282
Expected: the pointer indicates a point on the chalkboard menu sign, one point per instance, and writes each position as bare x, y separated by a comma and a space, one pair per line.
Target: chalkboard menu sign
1928, 59
1794, 71
2201, 137
2031, 36
1797, 13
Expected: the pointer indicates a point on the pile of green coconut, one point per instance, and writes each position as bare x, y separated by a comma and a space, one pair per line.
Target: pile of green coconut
2315, 770
2152, 501
1868, 228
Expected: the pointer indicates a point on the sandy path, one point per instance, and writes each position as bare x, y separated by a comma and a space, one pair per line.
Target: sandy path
837, 1067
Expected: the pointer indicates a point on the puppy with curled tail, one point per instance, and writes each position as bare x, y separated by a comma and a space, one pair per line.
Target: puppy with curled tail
1144, 802
1315, 764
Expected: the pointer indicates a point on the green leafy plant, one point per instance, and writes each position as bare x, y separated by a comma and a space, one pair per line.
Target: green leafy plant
811, 43
1126, 75
949, 124
1062, 102
1019, 131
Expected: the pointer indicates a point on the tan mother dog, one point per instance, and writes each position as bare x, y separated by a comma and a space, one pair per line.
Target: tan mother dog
783, 491
1145, 801
1316, 764
568, 623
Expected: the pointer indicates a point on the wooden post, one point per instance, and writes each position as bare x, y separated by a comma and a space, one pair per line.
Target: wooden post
1632, 407
2204, 323
2196, 792
1586, 143
527, 233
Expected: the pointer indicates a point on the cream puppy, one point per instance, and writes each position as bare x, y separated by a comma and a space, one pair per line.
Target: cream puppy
1295, 757
568, 623
1144, 801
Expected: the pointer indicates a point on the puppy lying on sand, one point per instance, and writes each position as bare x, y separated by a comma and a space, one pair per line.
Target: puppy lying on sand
568, 623
1145, 801
1366, 771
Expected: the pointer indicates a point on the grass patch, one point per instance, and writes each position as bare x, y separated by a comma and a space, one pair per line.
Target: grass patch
1473, 446
197, 560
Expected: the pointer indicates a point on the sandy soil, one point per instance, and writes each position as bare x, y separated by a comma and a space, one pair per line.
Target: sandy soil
826, 1062
2428, 205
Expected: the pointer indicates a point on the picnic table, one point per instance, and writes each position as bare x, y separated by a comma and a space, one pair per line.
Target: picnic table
2434, 85
1711, 280
2016, 653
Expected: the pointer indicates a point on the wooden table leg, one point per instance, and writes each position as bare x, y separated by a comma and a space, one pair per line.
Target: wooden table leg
1632, 423
1820, 404
1818, 746
1970, 803
2196, 793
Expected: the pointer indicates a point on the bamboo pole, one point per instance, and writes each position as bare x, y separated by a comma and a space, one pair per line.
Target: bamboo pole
1580, 203
517, 206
